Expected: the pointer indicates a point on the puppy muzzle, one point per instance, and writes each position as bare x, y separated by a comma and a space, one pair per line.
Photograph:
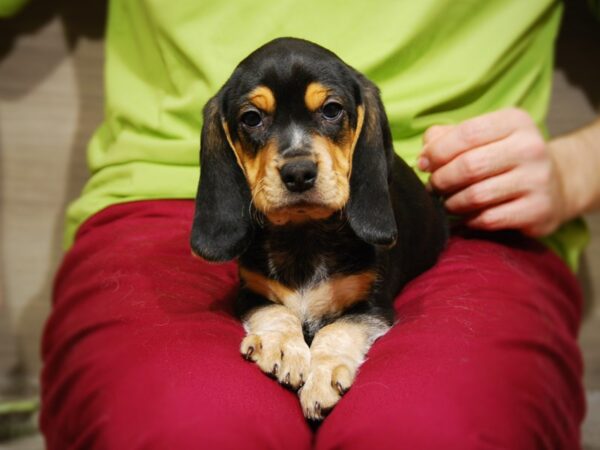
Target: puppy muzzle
299, 175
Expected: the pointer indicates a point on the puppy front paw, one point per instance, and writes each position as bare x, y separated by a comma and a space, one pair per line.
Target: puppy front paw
285, 356
337, 351
326, 384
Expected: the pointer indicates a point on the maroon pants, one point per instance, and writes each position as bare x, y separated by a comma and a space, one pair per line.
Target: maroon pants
141, 351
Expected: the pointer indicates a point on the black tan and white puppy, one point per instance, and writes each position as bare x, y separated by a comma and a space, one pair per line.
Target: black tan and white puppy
299, 181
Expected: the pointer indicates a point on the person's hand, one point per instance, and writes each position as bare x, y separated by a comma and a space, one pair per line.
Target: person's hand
497, 171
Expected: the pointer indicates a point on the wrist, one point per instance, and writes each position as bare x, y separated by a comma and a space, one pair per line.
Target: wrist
576, 161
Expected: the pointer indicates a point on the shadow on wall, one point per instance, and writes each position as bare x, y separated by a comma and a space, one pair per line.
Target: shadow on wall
80, 21
578, 50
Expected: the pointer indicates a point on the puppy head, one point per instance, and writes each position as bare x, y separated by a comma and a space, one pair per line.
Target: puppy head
298, 135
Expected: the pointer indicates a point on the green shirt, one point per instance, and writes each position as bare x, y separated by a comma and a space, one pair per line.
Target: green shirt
10, 7
436, 62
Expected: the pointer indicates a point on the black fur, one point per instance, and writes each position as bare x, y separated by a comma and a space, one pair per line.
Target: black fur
390, 224
222, 226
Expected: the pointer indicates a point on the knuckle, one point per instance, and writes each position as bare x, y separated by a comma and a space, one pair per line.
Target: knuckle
473, 166
472, 131
434, 151
542, 220
437, 181
534, 147
431, 132
491, 220
477, 196
537, 214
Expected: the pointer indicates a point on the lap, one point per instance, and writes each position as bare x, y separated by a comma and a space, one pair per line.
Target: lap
484, 355
142, 347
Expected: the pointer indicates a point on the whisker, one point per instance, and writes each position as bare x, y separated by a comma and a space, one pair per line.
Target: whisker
254, 213
343, 219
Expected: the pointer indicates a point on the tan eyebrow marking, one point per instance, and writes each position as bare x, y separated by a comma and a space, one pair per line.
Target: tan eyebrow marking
262, 97
315, 96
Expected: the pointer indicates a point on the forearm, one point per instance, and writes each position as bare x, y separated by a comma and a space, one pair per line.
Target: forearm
577, 158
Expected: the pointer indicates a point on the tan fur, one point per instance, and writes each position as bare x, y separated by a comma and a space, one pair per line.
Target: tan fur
332, 189
330, 193
269, 195
269, 289
276, 343
334, 169
360, 120
236, 148
337, 352
213, 135
259, 171
256, 168
329, 297
315, 95
262, 97
370, 100
298, 214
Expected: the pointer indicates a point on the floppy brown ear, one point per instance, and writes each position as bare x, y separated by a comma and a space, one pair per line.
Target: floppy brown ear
222, 227
369, 208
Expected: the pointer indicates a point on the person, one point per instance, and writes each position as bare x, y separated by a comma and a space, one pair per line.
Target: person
142, 349
498, 169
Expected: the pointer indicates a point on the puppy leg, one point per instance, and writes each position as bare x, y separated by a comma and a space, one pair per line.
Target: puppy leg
276, 343
337, 351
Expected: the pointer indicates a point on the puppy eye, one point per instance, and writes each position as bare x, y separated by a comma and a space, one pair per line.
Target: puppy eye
331, 110
251, 119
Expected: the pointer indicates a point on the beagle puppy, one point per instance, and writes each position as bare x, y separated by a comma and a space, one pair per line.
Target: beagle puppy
300, 182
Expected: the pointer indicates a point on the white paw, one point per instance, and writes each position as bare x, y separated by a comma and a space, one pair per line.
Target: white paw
325, 385
284, 355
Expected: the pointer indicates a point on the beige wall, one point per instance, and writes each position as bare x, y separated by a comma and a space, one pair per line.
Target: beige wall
50, 103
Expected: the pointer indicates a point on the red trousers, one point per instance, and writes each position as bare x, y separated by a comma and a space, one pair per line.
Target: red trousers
141, 351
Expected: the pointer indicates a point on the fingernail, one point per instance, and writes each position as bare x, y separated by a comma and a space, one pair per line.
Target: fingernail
423, 163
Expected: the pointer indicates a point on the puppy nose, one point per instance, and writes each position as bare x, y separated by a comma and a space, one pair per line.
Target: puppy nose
299, 176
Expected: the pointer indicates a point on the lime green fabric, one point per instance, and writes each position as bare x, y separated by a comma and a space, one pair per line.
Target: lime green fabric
436, 62
10, 7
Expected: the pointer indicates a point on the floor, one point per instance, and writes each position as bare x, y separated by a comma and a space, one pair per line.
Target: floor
51, 77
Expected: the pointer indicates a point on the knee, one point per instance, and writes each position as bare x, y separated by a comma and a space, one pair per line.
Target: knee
447, 422
164, 399
209, 410
417, 429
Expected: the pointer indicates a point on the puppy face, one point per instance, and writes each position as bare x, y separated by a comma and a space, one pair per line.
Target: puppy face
296, 134
293, 126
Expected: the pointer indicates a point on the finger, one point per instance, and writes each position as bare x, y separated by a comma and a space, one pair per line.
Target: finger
538, 230
435, 132
486, 193
520, 214
432, 133
474, 133
475, 165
